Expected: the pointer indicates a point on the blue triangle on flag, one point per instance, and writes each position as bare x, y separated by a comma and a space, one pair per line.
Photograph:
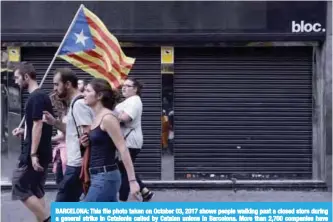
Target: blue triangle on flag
79, 37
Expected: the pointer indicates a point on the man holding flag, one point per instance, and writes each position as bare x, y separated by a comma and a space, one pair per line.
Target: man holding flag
30, 175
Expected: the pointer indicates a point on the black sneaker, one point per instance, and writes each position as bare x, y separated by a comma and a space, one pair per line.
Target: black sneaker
147, 196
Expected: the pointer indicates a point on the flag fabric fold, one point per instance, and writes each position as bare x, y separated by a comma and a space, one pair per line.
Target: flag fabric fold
91, 47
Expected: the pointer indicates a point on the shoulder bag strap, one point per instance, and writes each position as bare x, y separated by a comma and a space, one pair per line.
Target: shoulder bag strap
82, 149
77, 130
128, 133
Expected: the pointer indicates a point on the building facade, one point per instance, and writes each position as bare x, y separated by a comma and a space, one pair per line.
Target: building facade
250, 81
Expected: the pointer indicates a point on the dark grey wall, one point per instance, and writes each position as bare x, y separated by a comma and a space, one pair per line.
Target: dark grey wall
161, 20
328, 98
322, 121
328, 81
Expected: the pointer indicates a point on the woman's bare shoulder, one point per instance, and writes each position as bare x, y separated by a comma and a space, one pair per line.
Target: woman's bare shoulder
109, 117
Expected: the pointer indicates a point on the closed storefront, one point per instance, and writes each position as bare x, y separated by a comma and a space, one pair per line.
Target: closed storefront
146, 70
243, 113
232, 90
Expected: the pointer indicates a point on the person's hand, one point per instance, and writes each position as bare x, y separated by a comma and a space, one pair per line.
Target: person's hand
18, 132
48, 118
35, 164
84, 140
134, 188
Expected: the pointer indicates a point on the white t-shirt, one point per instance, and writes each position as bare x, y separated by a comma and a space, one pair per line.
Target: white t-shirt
132, 106
84, 116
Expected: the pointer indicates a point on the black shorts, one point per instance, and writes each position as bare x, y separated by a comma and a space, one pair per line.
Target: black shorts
27, 182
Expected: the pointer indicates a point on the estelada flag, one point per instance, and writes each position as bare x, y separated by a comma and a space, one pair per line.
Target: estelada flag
89, 46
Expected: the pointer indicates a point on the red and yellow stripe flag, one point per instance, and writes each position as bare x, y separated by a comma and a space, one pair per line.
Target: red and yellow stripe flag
89, 46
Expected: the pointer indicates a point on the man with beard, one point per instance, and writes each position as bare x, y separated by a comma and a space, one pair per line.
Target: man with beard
29, 177
79, 119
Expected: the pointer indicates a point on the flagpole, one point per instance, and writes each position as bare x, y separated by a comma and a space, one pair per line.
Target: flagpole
56, 54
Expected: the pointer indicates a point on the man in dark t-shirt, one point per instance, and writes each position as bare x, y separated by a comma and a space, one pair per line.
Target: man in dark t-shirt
29, 177
37, 102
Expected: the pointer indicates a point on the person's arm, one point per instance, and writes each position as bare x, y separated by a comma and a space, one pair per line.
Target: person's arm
37, 106
60, 125
58, 137
36, 135
112, 127
49, 119
130, 111
124, 117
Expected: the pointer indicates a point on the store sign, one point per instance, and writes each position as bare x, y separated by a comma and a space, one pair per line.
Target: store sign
301, 26
167, 55
217, 21
167, 60
14, 54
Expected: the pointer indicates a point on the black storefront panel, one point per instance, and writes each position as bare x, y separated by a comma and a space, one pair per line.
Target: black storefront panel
243, 113
177, 21
146, 70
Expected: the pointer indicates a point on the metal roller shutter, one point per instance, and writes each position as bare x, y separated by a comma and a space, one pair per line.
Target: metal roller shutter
147, 70
243, 113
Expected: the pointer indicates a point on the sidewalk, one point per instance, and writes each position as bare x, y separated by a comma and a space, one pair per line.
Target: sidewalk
13, 211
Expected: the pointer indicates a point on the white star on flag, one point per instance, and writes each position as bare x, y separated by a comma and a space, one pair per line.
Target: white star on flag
81, 38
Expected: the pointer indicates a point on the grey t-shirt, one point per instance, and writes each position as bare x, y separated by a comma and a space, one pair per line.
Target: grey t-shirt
84, 116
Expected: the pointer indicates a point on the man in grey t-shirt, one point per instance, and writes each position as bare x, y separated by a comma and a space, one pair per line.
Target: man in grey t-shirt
79, 120
83, 116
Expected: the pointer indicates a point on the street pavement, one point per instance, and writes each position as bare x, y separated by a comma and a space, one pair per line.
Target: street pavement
14, 211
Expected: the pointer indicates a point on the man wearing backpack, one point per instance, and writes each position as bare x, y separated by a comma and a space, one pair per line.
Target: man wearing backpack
79, 119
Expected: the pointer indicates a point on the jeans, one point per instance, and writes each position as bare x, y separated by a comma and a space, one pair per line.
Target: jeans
104, 187
59, 175
70, 188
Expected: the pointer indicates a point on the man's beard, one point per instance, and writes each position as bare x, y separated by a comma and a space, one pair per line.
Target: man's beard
25, 85
63, 95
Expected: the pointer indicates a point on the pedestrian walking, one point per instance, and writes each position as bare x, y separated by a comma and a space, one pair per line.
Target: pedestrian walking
59, 151
79, 119
105, 138
129, 113
29, 177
